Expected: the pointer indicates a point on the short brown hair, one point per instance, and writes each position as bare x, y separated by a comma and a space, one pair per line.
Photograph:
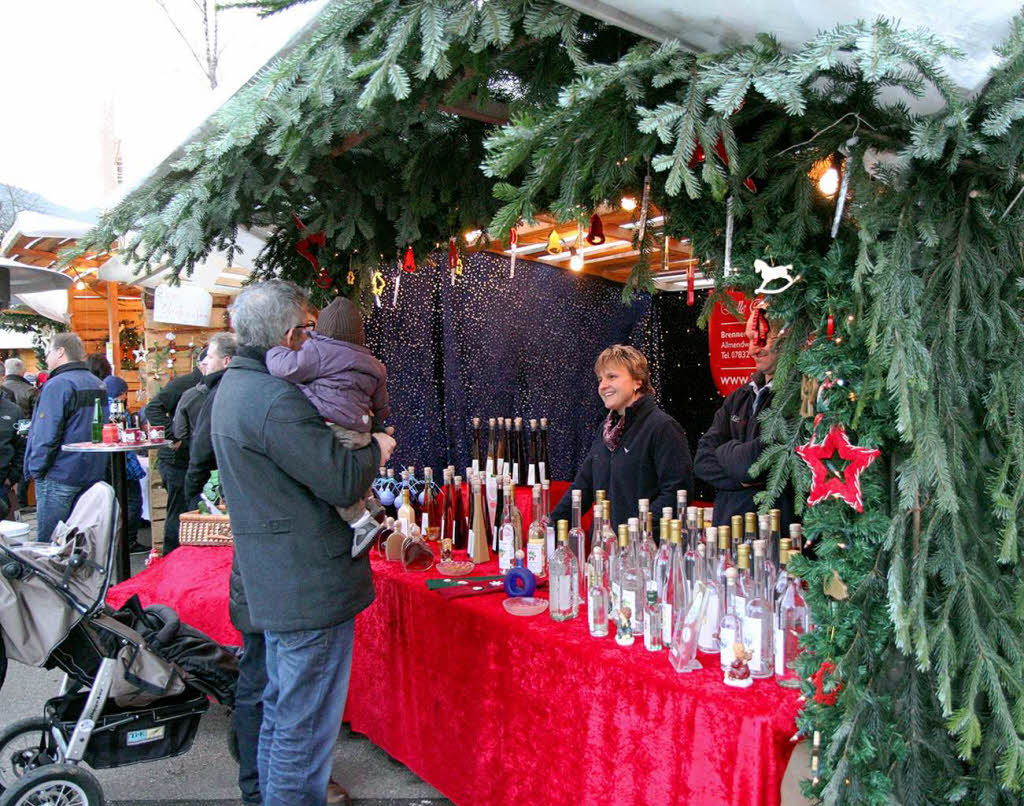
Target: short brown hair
73, 347
630, 358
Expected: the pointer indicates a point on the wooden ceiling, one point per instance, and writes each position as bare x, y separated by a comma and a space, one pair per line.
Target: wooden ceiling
613, 260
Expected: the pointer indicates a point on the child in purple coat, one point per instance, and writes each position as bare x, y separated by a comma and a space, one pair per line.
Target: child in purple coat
346, 384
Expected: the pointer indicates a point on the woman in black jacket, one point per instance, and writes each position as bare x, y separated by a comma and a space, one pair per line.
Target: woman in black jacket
639, 450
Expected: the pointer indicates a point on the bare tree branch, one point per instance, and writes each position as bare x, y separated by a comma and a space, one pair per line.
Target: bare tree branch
209, 65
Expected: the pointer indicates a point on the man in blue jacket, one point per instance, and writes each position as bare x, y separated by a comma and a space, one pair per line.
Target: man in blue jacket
63, 414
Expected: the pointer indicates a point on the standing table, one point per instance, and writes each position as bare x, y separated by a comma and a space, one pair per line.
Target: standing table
119, 476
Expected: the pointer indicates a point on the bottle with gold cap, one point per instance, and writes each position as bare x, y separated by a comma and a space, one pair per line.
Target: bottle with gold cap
682, 653
707, 640
744, 579
730, 627
672, 592
614, 557
791, 622
680, 512
724, 557
632, 593
578, 542
781, 578
750, 528
735, 537
663, 575
563, 599
690, 553
758, 621
774, 535
628, 591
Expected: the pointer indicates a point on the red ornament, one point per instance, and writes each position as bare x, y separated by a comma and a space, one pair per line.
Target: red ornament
826, 484
830, 327
409, 262
691, 297
453, 254
309, 248
761, 327
821, 696
698, 156
596, 234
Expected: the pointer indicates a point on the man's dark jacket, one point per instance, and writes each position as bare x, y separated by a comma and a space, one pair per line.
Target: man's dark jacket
728, 449
12, 446
160, 411
283, 474
25, 394
652, 460
201, 458
64, 413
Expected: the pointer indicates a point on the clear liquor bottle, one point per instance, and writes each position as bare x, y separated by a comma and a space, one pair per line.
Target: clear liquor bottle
708, 638
735, 537
690, 555
652, 620
791, 622
632, 590
663, 577
647, 552
681, 507
709, 516
597, 523
507, 532
781, 578
730, 628
774, 535
615, 568
683, 651
724, 557
489, 467
597, 592
549, 527
533, 473
758, 621
578, 542
536, 542
563, 600
796, 537
744, 580
544, 460
750, 529
676, 601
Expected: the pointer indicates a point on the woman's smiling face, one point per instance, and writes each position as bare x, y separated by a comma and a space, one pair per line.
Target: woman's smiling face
616, 387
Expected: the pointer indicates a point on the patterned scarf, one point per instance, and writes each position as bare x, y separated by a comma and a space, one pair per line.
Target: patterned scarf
613, 428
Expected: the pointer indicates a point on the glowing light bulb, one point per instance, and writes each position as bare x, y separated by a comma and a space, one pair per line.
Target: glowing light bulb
628, 203
576, 262
472, 236
829, 182
80, 285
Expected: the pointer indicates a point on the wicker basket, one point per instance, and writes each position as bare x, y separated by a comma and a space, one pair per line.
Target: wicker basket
204, 530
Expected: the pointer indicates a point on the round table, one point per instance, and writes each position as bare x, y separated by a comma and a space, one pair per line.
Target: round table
119, 476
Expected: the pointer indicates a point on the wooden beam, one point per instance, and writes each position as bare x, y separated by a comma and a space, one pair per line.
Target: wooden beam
112, 328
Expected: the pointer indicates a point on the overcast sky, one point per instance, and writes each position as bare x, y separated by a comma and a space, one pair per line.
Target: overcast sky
69, 63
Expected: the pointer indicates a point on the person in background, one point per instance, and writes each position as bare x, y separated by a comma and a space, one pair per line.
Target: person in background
173, 460
283, 476
63, 414
12, 458
732, 444
639, 451
41, 378
117, 389
98, 365
201, 459
5, 393
25, 395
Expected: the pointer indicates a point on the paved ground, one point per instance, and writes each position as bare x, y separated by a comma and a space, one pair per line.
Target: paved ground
206, 775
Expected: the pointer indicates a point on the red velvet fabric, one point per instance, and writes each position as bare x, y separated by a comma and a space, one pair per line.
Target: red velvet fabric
494, 709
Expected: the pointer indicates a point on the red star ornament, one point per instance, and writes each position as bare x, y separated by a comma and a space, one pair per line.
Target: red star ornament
825, 485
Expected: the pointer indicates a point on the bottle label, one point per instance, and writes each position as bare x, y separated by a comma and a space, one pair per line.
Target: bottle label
741, 605
403, 526
652, 591
629, 600
476, 465
531, 476
543, 471
727, 637
666, 623
561, 590
515, 472
490, 466
752, 641
535, 558
424, 524
709, 626
597, 607
506, 547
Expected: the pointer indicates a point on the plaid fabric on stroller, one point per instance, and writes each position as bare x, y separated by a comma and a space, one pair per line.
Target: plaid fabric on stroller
123, 699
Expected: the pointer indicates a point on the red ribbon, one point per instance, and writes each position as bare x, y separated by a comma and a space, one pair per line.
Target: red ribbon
821, 696
309, 248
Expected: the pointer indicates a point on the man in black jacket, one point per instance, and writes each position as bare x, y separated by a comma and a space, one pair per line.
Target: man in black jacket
283, 476
732, 444
201, 458
172, 461
12, 454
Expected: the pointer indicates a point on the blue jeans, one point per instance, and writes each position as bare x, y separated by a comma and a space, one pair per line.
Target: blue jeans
307, 682
252, 680
54, 501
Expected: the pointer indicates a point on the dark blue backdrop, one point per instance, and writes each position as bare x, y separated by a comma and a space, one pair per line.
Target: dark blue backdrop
497, 346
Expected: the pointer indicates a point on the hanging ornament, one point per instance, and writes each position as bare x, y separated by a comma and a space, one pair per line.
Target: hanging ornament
698, 157
815, 756
169, 337
350, 278
762, 327
453, 257
830, 326
309, 248
377, 285
691, 293
555, 243
664, 253
769, 274
513, 242
835, 587
727, 262
409, 261
821, 696
645, 205
458, 266
844, 186
808, 397
826, 483
596, 234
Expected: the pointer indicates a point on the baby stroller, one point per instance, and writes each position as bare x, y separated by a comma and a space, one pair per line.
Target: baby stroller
124, 698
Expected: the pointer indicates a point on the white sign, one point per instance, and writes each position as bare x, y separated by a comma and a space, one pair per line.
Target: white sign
182, 305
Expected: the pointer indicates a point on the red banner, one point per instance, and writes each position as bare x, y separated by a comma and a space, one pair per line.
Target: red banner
731, 364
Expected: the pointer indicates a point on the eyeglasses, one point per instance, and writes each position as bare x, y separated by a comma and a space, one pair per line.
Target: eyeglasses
304, 325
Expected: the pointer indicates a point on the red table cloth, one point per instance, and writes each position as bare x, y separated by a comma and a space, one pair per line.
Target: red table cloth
492, 708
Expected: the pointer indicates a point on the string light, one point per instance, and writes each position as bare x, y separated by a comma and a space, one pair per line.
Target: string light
829, 182
576, 262
80, 285
473, 235
628, 204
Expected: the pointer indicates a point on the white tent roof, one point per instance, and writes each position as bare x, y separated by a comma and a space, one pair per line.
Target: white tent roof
974, 28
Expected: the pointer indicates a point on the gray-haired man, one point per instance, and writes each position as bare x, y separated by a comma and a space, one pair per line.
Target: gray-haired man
283, 475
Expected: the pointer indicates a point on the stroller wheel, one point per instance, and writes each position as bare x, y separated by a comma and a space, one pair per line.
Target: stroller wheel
66, 784
25, 745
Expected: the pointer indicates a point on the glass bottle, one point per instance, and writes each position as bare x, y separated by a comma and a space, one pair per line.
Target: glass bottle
489, 468
460, 528
517, 516
724, 558
509, 458
578, 540
549, 527
643, 506
796, 537
536, 544
392, 498
750, 528
544, 461
675, 601
758, 626
681, 505
781, 580
515, 458
597, 592
690, 555
791, 622
632, 588
683, 651
475, 455
406, 514
448, 511
564, 603
663, 577
774, 535
507, 533
708, 638
429, 516
615, 568
499, 457
744, 580
736, 537
731, 626
647, 551
499, 509
97, 422
597, 523
652, 621
532, 473
477, 550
